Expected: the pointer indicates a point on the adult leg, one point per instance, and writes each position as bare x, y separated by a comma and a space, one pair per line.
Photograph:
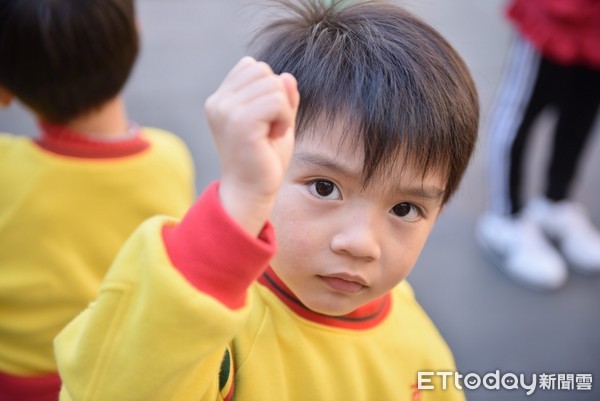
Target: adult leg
563, 220
520, 98
578, 106
514, 242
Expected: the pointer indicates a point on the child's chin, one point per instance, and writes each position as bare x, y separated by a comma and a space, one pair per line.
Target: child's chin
332, 309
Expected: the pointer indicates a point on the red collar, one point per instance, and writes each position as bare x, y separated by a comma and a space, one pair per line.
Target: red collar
67, 142
365, 317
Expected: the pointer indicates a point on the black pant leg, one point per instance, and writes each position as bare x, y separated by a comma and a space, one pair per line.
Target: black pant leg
578, 106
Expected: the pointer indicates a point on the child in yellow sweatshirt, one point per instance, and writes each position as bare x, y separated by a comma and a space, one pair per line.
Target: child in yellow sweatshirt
71, 195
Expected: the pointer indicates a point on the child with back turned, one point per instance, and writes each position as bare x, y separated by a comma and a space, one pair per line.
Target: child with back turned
285, 280
70, 197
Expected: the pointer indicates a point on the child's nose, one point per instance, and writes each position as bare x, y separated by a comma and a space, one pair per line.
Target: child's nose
358, 237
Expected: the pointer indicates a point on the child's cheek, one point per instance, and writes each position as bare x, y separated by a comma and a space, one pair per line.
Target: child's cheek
294, 238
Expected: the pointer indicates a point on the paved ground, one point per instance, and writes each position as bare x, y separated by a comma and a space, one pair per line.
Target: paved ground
491, 323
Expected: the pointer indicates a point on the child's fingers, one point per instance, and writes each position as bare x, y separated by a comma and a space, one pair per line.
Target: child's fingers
240, 65
247, 80
259, 87
247, 74
287, 98
273, 110
252, 92
285, 102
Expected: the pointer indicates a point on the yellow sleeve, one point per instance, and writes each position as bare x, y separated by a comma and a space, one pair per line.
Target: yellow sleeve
150, 335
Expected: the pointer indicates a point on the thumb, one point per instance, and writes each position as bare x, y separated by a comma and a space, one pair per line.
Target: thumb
291, 86
283, 125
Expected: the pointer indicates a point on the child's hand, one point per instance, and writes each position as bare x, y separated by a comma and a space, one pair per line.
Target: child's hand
252, 117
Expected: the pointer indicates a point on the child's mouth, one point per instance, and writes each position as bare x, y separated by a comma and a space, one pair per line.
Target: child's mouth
346, 284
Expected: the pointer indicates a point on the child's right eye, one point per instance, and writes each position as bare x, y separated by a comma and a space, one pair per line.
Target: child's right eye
324, 189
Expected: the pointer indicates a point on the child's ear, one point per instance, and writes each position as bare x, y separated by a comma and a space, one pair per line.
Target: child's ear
6, 97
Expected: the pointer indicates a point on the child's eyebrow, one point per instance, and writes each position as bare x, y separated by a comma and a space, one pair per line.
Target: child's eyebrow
323, 161
424, 192
429, 192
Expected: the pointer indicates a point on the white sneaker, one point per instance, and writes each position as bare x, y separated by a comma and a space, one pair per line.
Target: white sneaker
568, 225
521, 250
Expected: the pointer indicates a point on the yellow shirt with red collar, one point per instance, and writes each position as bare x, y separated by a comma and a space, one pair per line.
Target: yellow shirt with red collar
67, 205
190, 311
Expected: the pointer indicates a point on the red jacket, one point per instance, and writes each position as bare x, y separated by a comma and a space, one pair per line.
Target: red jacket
566, 31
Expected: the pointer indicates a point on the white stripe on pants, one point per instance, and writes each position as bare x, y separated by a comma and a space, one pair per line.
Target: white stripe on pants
509, 108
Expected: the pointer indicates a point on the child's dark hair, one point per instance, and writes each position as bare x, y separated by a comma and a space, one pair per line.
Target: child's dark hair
392, 77
64, 58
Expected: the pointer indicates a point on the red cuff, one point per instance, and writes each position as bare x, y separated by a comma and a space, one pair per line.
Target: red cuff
214, 253
29, 388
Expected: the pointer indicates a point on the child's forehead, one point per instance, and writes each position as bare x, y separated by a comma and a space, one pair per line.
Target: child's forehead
339, 135
342, 149
345, 140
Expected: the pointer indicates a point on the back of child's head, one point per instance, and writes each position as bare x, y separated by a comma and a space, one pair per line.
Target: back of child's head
65, 58
380, 72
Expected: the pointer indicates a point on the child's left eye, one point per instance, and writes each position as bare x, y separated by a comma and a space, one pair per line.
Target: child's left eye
407, 211
324, 189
